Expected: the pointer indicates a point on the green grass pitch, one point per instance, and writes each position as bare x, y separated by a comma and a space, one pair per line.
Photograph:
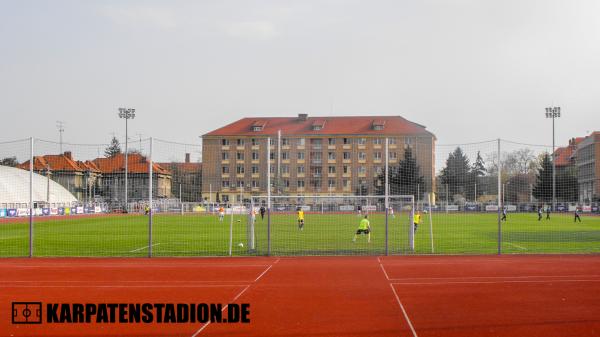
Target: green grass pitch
323, 234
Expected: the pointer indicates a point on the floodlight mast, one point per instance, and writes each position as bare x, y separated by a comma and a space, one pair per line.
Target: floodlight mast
553, 112
127, 114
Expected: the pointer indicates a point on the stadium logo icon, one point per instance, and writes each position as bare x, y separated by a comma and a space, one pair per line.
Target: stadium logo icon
26, 312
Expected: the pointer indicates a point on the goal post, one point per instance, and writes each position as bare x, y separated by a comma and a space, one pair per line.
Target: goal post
328, 225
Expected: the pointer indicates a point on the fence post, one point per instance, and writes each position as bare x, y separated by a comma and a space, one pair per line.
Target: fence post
268, 196
386, 232
31, 197
499, 200
150, 212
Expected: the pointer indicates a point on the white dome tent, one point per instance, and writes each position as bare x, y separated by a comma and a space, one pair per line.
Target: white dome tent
14, 188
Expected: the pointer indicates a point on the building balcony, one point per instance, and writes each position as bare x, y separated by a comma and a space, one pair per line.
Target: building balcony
362, 146
317, 147
285, 161
347, 175
347, 161
255, 161
224, 175
285, 147
255, 189
316, 161
347, 146
239, 161
239, 175
377, 146
255, 175
362, 161
300, 161
300, 175
300, 147
330, 161
255, 147
240, 147
225, 147
362, 175
377, 161
331, 175
224, 161
331, 147
317, 175
392, 146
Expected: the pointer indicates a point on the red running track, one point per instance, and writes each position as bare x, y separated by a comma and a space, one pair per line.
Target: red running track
448, 296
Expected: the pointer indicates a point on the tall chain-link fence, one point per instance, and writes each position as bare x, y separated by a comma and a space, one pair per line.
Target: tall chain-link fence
243, 196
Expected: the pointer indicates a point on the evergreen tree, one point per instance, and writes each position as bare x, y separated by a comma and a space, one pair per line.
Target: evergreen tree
478, 170
404, 179
543, 182
457, 173
113, 149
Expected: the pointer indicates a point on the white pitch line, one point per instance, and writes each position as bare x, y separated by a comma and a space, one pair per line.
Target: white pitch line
516, 246
238, 295
145, 247
384, 272
404, 311
465, 278
225, 307
125, 286
175, 264
495, 282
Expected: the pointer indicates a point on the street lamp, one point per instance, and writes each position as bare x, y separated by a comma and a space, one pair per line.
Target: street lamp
553, 112
127, 114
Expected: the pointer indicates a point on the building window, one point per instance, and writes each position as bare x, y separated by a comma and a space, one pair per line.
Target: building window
240, 184
285, 141
378, 141
331, 155
240, 156
285, 155
347, 141
300, 183
240, 169
331, 169
377, 155
255, 169
346, 169
346, 183
240, 142
300, 155
255, 183
254, 141
362, 141
331, 141
285, 169
347, 155
272, 155
392, 141
286, 183
362, 156
272, 142
393, 155
225, 169
331, 183
225, 155
225, 198
378, 169
225, 183
301, 141
254, 155
407, 142
362, 170
300, 169
224, 142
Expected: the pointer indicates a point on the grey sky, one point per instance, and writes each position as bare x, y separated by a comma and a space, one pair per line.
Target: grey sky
468, 70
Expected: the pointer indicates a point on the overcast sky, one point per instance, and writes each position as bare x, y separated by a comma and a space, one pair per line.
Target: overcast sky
468, 70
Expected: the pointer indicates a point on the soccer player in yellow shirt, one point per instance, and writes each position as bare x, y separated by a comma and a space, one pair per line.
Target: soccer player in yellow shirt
417, 220
364, 227
300, 219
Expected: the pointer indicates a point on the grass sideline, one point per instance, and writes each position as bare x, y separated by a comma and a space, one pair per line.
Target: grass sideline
323, 234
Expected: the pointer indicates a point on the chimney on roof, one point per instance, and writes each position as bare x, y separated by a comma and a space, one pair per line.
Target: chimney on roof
187, 157
302, 117
68, 154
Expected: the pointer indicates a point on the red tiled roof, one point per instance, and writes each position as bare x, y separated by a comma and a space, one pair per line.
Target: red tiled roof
563, 155
58, 162
184, 167
353, 125
136, 163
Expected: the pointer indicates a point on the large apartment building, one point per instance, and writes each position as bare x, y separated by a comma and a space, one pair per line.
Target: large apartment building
310, 155
588, 168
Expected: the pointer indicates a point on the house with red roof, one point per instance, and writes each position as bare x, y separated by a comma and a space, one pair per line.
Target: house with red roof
79, 178
310, 155
113, 178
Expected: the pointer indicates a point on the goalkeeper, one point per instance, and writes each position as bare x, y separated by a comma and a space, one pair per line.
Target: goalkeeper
417, 221
364, 227
300, 213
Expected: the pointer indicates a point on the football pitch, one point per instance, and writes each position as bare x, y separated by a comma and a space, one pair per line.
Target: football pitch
323, 234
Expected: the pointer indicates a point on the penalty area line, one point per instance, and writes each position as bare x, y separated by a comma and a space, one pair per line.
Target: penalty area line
145, 247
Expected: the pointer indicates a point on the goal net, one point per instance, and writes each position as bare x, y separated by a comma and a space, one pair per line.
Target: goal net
328, 225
